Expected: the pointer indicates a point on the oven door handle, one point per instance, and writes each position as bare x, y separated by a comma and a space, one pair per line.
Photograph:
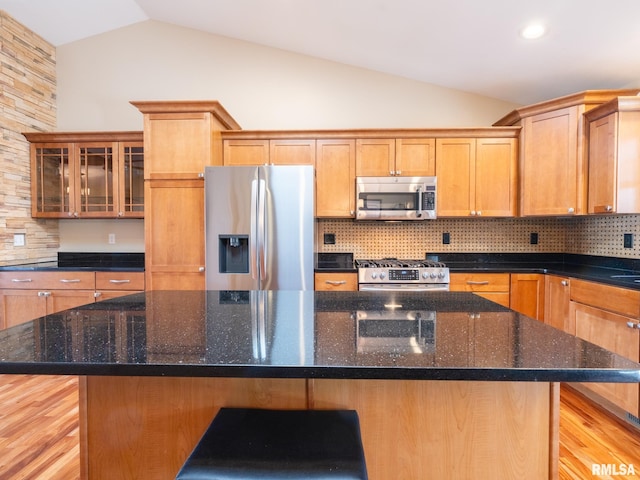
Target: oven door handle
390, 288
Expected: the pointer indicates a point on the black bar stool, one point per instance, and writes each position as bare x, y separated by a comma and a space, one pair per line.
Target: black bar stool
248, 444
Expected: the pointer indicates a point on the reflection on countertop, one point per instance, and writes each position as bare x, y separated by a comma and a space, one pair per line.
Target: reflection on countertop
306, 334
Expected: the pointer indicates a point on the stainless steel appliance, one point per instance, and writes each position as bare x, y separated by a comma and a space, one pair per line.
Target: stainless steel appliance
391, 274
395, 198
259, 227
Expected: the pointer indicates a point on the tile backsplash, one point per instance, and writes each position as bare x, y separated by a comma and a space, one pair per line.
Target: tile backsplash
583, 235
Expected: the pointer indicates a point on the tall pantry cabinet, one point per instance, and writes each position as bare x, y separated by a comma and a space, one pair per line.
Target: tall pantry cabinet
181, 138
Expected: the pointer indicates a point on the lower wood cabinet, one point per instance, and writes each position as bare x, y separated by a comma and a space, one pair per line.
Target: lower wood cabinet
556, 303
609, 317
336, 281
527, 294
492, 286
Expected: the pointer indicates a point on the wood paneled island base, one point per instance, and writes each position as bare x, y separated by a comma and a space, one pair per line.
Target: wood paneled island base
145, 427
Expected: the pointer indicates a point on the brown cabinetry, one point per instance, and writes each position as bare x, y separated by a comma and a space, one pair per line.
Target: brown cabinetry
261, 151
336, 281
527, 294
492, 286
87, 175
609, 317
476, 177
406, 157
553, 161
556, 304
614, 159
180, 138
335, 178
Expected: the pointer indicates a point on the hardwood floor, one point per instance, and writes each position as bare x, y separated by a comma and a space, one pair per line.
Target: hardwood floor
39, 427
39, 432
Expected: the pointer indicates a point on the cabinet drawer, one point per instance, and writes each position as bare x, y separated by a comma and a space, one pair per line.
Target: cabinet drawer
119, 280
479, 282
614, 299
336, 281
31, 280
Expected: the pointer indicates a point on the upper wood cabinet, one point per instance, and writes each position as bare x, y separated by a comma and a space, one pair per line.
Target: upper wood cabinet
476, 177
406, 157
335, 178
261, 151
614, 156
181, 139
87, 175
553, 162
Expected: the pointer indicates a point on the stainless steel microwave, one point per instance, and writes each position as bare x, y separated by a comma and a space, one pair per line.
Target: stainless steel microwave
395, 198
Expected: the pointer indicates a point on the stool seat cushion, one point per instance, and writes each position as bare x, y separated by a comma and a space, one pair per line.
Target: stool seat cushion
247, 443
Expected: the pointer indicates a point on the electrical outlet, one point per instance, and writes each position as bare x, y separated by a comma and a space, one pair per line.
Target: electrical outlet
112, 238
533, 238
19, 240
329, 238
446, 238
628, 240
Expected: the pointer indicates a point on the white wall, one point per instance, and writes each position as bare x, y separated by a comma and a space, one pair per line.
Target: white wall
261, 87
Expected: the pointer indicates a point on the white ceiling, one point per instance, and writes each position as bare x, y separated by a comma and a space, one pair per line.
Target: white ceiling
470, 45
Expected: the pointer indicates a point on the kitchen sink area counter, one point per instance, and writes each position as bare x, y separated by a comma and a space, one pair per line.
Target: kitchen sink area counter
83, 261
460, 368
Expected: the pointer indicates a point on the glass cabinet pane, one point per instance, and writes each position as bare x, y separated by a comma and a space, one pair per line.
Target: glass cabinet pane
95, 179
132, 181
53, 179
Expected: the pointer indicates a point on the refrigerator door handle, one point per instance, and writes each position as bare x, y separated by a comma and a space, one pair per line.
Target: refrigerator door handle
253, 237
262, 230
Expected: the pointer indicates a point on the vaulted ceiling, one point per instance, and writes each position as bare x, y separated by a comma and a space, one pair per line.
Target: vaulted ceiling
470, 45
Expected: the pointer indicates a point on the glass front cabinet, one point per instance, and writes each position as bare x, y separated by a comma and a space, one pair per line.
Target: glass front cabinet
87, 175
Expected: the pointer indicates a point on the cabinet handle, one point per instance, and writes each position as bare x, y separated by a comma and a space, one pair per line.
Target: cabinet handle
119, 281
336, 282
69, 280
44, 294
603, 209
471, 282
21, 280
564, 283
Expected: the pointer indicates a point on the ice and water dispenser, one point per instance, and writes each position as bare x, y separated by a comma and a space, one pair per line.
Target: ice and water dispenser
234, 253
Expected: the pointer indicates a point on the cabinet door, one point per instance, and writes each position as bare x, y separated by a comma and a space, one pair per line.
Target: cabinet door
610, 331
415, 157
456, 176
495, 177
246, 152
375, 157
178, 145
130, 180
19, 306
95, 193
556, 305
527, 294
602, 164
174, 232
52, 180
59, 300
335, 178
550, 165
292, 152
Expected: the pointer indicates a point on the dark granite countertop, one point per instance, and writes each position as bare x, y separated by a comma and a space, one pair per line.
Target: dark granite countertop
306, 334
85, 261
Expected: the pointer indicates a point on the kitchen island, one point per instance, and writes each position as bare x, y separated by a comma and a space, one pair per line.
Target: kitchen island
447, 384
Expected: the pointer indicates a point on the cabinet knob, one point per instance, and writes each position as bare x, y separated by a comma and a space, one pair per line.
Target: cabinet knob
398, 172
571, 210
564, 283
201, 269
608, 208
121, 214
632, 324
479, 212
352, 212
392, 172
473, 213
44, 294
200, 174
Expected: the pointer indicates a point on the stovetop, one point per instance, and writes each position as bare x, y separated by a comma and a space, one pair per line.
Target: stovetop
398, 263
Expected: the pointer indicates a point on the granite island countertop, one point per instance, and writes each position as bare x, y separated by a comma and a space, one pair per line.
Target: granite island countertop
306, 334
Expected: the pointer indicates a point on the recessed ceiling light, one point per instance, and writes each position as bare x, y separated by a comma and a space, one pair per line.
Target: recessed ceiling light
533, 31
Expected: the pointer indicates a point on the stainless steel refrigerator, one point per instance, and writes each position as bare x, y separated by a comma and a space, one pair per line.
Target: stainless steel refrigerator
259, 227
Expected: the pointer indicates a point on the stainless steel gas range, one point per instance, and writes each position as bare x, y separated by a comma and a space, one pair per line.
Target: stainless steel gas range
391, 274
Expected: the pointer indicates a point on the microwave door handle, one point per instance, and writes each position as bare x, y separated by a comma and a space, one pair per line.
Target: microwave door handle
419, 192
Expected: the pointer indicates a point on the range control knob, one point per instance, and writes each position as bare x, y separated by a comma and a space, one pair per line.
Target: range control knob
441, 275
374, 275
433, 275
425, 275
382, 275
